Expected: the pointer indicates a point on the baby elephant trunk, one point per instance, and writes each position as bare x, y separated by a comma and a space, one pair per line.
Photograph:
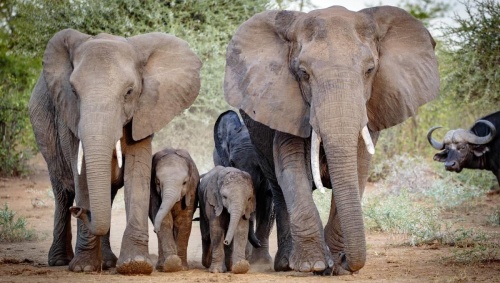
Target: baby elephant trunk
233, 224
168, 201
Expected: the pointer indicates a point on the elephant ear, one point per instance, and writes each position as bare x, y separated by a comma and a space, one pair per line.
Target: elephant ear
227, 123
213, 190
258, 79
408, 73
171, 81
250, 208
194, 175
57, 68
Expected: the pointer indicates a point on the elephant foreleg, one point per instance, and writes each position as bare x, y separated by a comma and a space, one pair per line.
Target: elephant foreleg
309, 252
168, 260
264, 215
134, 255
217, 247
183, 224
238, 262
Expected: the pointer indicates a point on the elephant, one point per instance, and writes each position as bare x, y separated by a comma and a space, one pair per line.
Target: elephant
227, 202
233, 148
328, 80
94, 109
173, 201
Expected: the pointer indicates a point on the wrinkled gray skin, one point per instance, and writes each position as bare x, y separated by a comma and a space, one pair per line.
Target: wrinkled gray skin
233, 148
333, 71
174, 182
226, 203
98, 90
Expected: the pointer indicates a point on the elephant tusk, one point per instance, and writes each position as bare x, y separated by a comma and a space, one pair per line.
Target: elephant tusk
315, 144
80, 158
368, 140
119, 153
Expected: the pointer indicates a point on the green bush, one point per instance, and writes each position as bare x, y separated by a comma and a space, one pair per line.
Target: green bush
13, 230
472, 246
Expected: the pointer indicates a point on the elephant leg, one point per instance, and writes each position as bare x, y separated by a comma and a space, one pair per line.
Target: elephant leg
88, 257
134, 255
182, 226
217, 247
61, 250
206, 256
168, 260
282, 257
309, 250
264, 216
108, 257
238, 262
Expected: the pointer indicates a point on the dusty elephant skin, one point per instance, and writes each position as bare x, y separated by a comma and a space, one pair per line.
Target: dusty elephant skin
476, 148
173, 201
344, 76
94, 109
233, 148
226, 204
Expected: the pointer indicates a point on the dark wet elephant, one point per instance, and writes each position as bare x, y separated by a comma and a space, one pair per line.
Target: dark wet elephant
233, 148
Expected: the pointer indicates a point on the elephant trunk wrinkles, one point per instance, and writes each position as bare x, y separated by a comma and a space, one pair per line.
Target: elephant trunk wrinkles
236, 214
340, 115
98, 154
169, 197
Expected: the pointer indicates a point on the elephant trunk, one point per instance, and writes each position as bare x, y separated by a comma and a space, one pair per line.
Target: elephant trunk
98, 152
234, 219
169, 197
339, 119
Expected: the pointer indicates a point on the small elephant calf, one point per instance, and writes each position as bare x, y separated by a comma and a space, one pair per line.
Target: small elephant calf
174, 181
227, 201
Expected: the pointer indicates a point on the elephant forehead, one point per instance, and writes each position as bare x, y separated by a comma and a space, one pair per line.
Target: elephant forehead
106, 51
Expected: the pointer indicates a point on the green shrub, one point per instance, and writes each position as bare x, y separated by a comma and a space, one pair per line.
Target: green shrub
13, 230
472, 246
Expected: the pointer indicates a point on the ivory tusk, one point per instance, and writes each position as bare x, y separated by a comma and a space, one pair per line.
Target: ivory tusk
119, 153
368, 140
315, 144
80, 158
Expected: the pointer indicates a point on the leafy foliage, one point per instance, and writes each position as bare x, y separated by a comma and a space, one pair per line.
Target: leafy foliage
13, 230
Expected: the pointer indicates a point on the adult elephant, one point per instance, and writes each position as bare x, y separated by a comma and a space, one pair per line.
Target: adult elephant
96, 105
342, 76
233, 148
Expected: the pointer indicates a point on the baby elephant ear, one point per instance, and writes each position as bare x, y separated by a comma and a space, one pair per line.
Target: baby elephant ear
171, 81
213, 190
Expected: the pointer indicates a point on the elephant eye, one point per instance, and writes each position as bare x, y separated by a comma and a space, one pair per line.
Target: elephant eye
370, 70
231, 163
129, 91
303, 74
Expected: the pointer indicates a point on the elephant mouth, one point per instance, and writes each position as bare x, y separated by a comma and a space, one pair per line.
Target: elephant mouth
315, 145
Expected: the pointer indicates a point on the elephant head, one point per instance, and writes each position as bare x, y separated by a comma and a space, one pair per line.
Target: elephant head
339, 74
100, 84
231, 189
174, 178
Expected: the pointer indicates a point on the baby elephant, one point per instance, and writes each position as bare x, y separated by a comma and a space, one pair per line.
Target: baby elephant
226, 203
174, 180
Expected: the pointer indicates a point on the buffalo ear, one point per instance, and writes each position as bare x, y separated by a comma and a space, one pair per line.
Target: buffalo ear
258, 79
57, 68
441, 156
407, 75
479, 150
171, 81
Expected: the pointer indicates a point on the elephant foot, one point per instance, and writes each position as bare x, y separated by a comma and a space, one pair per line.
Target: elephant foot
134, 259
173, 263
260, 256
109, 260
217, 268
59, 256
281, 260
310, 258
86, 261
241, 267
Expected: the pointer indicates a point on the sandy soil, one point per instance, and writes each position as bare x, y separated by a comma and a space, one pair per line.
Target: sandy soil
387, 260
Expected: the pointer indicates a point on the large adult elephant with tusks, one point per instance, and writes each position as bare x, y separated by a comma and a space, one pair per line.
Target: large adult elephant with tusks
331, 79
94, 110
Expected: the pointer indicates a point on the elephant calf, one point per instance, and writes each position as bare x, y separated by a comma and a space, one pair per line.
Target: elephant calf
226, 203
174, 180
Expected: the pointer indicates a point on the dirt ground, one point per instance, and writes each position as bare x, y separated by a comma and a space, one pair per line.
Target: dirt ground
387, 260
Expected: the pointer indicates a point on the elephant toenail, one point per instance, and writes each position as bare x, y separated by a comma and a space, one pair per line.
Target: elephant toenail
77, 269
139, 258
305, 267
330, 263
319, 265
88, 268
